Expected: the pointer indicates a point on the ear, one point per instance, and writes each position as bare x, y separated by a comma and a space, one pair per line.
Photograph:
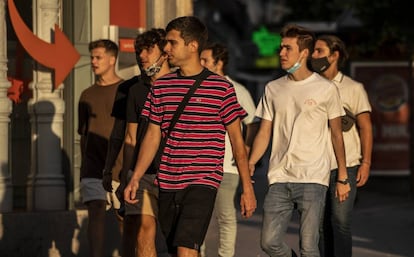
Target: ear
335, 55
193, 46
219, 65
112, 60
305, 53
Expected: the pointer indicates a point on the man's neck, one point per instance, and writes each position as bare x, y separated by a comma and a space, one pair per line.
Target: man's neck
330, 73
191, 68
107, 79
164, 70
300, 74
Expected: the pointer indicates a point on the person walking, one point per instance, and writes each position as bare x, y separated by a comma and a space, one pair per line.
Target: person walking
328, 57
94, 127
300, 111
191, 163
215, 57
140, 219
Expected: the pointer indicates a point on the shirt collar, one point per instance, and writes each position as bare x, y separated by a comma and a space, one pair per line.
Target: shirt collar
338, 78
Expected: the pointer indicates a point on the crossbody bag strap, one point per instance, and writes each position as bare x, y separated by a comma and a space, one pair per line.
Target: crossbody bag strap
179, 110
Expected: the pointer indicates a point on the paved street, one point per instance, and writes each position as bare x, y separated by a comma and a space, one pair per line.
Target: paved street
383, 227
383, 222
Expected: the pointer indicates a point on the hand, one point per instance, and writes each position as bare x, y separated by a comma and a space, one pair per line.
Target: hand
252, 168
248, 203
342, 191
362, 174
119, 192
107, 181
130, 191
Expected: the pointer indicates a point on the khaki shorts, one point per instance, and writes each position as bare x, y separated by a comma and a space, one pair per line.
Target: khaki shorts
147, 196
92, 189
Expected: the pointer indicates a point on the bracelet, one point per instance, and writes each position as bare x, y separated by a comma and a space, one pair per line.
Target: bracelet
343, 182
366, 162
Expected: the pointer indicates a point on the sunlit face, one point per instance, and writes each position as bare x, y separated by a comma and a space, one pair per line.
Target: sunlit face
321, 49
207, 60
101, 61
178, 52
289, 52
149, 56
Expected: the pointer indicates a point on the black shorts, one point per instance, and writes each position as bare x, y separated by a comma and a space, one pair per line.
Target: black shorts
185, 215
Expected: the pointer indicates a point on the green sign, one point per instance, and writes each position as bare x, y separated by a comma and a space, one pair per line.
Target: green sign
267, 42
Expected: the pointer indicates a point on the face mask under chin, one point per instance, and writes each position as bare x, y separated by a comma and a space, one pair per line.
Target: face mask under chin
319, 65
294, 68
152, 70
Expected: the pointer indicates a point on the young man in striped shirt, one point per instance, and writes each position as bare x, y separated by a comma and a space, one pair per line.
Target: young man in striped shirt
191, 165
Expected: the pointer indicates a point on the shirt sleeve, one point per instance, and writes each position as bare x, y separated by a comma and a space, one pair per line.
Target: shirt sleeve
131, 110
246, 101
138, 97
119, 109
230, 108
361, 99
264, 108
334, 104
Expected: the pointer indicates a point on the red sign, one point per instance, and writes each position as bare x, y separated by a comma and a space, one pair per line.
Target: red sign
387, 84
127, 45
60, 55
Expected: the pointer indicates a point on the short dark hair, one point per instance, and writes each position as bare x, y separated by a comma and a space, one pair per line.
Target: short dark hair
334, 43
110, 46
305, 37
219, 52
191, 29
150, 38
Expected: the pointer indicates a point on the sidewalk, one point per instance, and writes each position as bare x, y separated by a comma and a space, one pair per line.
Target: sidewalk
383, 224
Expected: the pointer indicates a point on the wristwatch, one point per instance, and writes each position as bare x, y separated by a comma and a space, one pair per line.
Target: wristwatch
343, 182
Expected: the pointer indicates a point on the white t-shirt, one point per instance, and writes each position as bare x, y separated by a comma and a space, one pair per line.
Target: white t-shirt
246, 101
301, 142
354, 98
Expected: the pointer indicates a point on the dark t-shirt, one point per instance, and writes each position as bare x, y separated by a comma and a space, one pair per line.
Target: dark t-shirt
95, 125
137, 97
119, 109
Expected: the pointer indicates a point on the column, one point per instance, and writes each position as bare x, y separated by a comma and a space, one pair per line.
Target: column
160, 12
46, 182
184, 8
6, 191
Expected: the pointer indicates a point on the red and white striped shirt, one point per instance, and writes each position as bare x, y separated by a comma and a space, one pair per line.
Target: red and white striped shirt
194, 151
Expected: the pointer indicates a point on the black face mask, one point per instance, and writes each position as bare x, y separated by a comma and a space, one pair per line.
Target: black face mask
319, 65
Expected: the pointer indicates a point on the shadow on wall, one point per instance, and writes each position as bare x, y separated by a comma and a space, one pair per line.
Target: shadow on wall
53, 234
6, 190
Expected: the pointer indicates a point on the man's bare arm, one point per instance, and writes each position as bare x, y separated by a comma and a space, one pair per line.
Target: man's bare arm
147, 152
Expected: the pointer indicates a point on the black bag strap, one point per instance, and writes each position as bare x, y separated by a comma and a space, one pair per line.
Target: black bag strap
204, 74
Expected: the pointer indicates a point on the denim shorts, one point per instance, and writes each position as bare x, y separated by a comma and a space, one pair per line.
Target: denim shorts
184, 216
92, 189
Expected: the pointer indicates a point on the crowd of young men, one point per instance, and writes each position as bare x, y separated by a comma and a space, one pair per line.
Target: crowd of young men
314, 160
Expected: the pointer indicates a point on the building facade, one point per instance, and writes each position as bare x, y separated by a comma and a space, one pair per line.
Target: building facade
40, 156
39, 145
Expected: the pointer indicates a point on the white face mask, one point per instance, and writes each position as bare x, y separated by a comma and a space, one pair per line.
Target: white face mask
295, 66
154, 68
